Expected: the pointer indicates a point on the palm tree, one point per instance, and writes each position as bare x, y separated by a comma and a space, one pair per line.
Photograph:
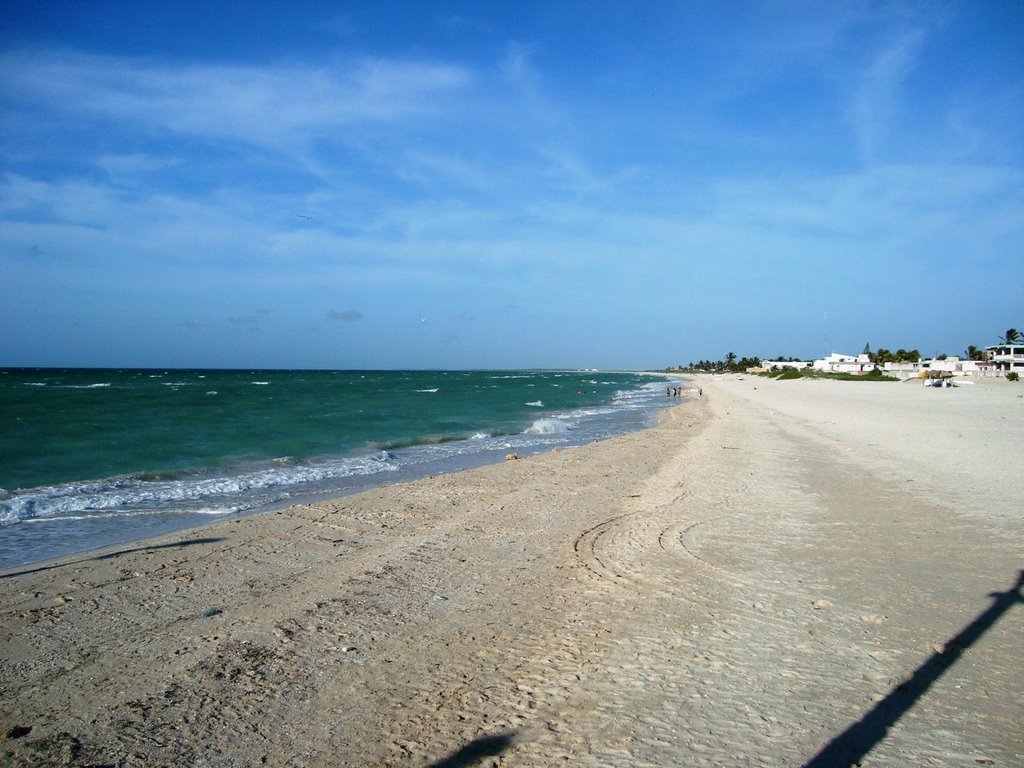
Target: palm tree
730, 360
1012, 336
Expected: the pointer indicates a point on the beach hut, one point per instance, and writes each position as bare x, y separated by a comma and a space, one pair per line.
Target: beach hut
938, 378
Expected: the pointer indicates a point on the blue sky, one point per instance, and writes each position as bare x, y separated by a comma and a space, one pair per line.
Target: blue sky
549, 184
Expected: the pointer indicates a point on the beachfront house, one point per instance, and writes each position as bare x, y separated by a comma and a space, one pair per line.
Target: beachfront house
768, 366
836, 363
904, 369
1006, 358
945, 367
957, 367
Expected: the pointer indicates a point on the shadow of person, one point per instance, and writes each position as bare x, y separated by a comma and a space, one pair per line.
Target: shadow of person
476, 750
113, 555
853, 744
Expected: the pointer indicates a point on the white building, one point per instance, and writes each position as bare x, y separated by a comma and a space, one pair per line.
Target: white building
905, 369
957, 367
778, 365
1006, 357
950, 366
837, 363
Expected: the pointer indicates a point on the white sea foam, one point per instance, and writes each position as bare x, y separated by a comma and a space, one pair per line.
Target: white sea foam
119, 513
536, 404
548, 427
587, 412
435, 389
131, 495
637, 398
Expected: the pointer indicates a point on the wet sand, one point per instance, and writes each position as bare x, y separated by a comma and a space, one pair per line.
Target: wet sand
796, 573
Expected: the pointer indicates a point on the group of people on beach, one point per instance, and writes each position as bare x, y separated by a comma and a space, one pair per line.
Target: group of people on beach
679, 391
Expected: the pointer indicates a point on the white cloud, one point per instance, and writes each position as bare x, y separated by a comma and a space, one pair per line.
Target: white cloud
122, 166
878, 94
272, 106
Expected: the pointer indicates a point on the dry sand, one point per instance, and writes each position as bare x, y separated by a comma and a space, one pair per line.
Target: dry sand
781, 574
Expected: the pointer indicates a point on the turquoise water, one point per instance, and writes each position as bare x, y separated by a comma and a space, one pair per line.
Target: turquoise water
92, 457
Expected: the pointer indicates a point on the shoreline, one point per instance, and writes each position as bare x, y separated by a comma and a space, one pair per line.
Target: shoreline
71, 518
739, 583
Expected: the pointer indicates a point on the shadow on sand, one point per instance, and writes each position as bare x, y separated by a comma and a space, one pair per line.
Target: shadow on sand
853, 744
112, 555
476, 750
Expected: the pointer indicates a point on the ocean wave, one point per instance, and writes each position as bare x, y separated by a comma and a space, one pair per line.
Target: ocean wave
637, 398
421, 441
587, 412
149, 493
548, 427
536, 404
435, 389
212, 511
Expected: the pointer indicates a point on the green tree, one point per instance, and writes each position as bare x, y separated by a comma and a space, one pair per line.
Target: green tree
1012, 336
906, 355
973, 353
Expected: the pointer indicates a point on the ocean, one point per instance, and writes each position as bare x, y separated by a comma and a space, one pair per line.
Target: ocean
92, 458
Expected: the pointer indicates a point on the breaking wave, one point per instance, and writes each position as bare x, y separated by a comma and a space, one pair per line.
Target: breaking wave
148, 493
548, 427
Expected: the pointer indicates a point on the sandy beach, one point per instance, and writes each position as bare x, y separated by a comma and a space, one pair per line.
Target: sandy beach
794, 573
